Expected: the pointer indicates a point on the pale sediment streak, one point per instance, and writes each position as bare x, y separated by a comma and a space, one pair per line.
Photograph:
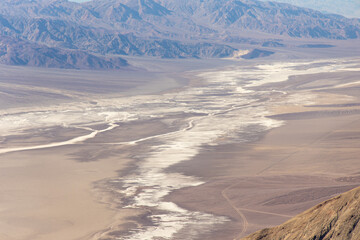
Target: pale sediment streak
156, 183
228, 116
190, 125
59, 144
228, 107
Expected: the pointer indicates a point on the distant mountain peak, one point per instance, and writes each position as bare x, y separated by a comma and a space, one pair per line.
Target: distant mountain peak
348, 8
152, 8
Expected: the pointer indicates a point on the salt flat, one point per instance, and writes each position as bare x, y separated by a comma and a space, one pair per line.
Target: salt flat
207, 159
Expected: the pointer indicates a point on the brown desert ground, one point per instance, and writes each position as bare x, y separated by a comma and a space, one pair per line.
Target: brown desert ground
53, 193
56, 196
312, 157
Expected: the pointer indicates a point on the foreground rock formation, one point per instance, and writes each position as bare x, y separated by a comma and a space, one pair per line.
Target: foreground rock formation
337, 218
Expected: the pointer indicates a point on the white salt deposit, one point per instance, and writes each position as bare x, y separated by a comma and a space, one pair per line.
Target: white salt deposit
228, 106
59, 144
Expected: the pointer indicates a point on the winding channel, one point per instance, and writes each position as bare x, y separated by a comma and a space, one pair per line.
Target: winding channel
226, 107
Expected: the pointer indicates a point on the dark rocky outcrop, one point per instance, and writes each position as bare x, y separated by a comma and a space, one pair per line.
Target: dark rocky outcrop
272, 44
23, 53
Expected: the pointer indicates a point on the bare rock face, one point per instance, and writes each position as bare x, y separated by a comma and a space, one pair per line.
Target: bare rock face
22, 53
164, 28
335, 219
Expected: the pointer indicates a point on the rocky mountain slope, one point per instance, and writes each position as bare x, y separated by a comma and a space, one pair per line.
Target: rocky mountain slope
266, 17
336, 219
22, 53
348, 8
164, 28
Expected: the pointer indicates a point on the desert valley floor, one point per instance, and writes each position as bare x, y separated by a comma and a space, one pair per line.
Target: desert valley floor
215, 153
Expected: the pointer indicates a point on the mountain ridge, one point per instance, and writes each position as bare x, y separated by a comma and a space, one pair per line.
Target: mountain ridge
164, 28
348, 8
23, 53
337, 219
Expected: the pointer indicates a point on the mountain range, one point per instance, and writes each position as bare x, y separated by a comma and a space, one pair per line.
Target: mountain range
348, 8
157, 28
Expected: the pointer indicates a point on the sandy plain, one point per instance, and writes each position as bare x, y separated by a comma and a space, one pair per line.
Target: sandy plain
57, 193
51, 192
73, 191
